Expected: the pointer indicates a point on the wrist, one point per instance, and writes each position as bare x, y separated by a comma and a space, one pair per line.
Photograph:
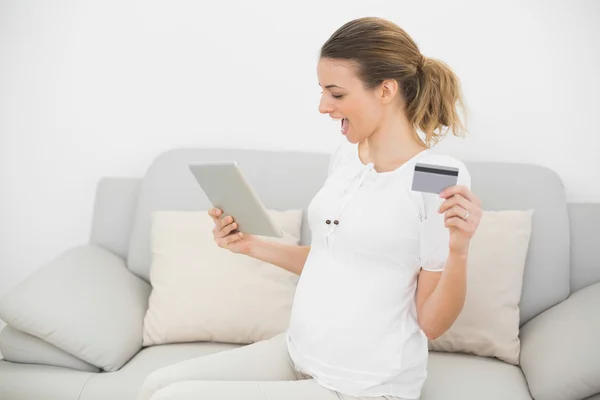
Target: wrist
460, 253
254, 247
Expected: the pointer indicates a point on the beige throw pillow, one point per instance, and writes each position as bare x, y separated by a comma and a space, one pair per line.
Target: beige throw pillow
202, 292
489, 322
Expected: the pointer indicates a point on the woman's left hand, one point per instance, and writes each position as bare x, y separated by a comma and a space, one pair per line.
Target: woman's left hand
463, 212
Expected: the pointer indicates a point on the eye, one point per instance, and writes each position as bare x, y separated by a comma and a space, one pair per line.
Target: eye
339, 96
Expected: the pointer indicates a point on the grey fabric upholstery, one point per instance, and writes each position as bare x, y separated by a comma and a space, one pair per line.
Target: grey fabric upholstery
282, 180
125, 383
85, 302
16, 380
462, 376
40, 382
560, 351
113, 214
505, 186
17, 346
451, 376
585, 244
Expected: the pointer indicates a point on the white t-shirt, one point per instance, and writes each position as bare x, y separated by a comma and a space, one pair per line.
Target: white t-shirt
354, 320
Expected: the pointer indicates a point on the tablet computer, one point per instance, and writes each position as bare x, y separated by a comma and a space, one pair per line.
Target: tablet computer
227, 189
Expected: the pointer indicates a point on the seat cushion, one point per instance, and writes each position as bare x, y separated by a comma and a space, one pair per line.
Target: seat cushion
450, 377
461, 376
125, 383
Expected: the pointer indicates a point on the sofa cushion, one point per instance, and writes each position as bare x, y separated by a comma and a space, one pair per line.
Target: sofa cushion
126, 383
508, 186
488, 324
32, 382
85, 302
450, 376
283, 180
19, 347
560, 348
462, 377
202, 292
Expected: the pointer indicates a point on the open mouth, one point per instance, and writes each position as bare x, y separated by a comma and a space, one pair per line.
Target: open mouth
345, 126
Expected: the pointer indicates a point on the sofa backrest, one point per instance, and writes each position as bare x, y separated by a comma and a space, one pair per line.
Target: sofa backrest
505, 186
282, 180
584, 220
285, 180
114, 205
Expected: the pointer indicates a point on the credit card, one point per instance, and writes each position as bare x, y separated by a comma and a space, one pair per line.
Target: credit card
433, 178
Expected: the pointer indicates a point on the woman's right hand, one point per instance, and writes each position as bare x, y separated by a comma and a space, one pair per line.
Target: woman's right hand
225, 235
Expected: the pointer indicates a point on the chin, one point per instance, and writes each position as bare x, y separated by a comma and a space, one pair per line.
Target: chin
351, 139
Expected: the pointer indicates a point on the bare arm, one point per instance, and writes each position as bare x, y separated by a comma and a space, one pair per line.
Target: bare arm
288, 257
441, 295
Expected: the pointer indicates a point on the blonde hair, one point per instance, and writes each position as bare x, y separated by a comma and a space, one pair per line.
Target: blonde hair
382, 50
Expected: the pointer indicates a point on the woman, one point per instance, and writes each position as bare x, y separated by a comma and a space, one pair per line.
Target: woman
386, 269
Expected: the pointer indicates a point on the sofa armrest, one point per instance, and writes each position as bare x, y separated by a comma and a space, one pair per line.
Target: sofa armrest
86, 303
560, 356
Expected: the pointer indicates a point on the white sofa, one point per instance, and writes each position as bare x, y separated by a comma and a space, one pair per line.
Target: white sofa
75, 326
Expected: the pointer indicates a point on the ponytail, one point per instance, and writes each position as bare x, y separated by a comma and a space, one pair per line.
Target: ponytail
437, 102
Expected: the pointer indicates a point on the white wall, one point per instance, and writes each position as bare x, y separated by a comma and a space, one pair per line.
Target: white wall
95, 88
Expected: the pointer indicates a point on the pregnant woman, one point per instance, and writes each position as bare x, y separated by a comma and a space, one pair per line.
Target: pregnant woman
386, 268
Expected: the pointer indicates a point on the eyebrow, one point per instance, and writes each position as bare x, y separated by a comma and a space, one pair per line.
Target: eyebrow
332, 86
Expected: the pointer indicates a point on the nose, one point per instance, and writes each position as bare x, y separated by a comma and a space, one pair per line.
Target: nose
325, 107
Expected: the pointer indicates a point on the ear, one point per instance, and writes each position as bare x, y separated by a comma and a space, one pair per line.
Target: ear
388, 90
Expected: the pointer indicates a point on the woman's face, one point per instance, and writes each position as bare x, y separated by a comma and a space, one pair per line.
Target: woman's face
344, 98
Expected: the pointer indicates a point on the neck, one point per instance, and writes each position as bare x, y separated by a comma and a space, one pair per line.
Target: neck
392, 144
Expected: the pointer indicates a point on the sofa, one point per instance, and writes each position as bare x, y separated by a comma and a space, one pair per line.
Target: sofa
100, 289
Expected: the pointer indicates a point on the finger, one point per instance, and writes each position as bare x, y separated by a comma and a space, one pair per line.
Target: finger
214, 213
456, 222
228, 229
226, 241
456, 200
455, 211
226, 220
457, 189
222, 232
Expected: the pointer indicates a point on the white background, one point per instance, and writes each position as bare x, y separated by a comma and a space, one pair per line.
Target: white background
99, 88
